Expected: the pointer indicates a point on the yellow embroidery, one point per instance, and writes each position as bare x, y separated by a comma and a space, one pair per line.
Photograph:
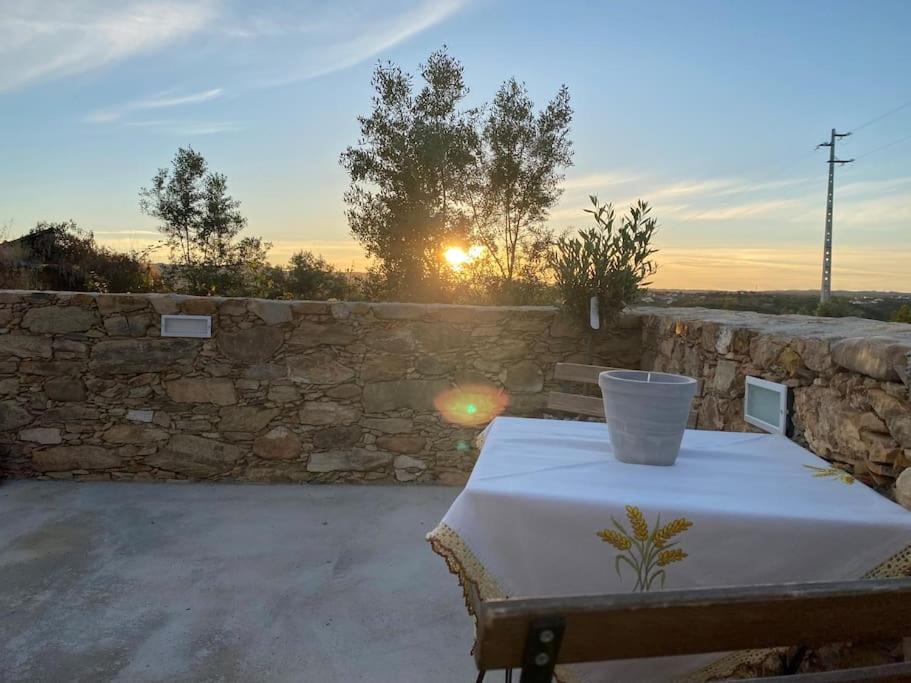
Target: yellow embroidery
832, 471
646, 553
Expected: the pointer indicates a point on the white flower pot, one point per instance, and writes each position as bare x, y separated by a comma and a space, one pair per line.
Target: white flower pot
646, 414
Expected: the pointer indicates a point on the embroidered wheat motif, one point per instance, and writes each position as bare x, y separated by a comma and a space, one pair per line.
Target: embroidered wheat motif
645, 552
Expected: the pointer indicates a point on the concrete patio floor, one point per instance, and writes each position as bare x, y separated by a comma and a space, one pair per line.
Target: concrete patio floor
194, 582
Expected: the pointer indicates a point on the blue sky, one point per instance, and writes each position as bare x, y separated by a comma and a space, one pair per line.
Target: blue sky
710, 110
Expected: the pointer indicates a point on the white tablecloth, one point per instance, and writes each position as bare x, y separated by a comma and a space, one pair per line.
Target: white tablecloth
549, 511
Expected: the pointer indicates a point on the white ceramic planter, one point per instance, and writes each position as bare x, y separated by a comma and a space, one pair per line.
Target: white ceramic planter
646, 414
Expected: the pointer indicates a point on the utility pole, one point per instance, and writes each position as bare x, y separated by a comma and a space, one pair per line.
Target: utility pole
825, 291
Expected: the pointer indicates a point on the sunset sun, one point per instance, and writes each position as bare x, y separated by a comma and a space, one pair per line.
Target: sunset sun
457, 257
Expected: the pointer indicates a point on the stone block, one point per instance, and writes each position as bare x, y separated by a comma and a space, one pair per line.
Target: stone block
24, 346
65, 458
388, 425
310, 334
134, 433
245, 418
135, 325
401, 443
903, 489
120, 303
42, 435
878, 357
266, 371
196, 456
725, 376
58, 319
279, 443
253, 345
138, 356
504, 349
433, 364
202, 390
395, 340
199, 305
328, 413
397, 311
524, 377
355, 460
140, 415
320, 367
9, 386
13, 416
437, 337
476, 315
271, 312
344, 391
378, 367
332, 438
417, 394
283, 393
52, 368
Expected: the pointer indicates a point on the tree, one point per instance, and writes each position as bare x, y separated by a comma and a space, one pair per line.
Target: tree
310, 277
408, 171
521, 163
609, 261
63, 256
902, 315
201, 223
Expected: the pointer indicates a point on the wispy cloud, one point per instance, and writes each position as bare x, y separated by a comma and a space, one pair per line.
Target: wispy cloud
592, 182
161, 101
350, 40
55, 38
191, 128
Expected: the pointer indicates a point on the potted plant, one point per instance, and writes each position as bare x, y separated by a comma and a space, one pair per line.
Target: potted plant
609, 261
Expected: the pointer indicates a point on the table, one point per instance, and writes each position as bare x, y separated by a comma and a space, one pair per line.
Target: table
548, 511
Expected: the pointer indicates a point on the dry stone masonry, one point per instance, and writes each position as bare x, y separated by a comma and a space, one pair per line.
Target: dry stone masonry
291, 391
310, 391
850, 379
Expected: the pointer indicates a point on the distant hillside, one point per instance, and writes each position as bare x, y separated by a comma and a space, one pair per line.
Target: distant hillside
874, 305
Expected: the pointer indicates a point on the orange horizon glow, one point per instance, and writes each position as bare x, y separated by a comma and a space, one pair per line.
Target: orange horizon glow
709, 267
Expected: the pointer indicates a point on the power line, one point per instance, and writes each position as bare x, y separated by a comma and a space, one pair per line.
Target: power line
879, 118
882, 147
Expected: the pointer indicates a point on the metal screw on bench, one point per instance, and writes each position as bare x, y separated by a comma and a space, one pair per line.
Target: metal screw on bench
542, 646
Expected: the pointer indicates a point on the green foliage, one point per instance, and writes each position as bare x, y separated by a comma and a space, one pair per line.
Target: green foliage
427, 174
521, 162
610, 260
310, 277
63, 256
407, 171
201, 223
902, 315
837, 307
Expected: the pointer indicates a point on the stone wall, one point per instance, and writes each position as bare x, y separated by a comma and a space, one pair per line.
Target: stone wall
850, 378
283, 391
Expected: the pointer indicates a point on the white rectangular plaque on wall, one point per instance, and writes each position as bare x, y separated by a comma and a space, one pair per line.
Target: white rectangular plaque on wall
186, 326
765, 405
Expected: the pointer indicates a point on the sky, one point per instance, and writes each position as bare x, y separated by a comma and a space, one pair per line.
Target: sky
709, 110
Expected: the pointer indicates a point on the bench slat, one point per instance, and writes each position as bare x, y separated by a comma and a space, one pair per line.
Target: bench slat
607, 627
573, 403
576, 372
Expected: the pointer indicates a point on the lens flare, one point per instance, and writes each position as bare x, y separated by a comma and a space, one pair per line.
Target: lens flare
458, 258
471, 405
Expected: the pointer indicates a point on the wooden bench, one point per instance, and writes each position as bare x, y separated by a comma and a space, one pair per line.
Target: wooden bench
534, 634
591, 406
